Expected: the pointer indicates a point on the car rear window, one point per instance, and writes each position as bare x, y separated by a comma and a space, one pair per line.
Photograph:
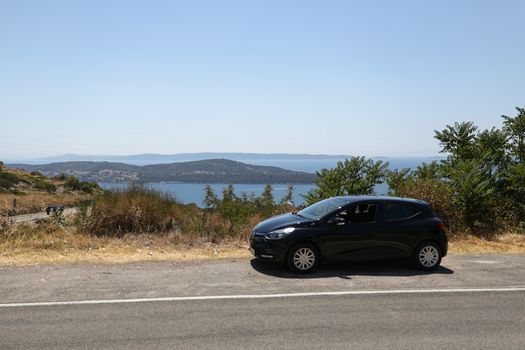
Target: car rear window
397, 211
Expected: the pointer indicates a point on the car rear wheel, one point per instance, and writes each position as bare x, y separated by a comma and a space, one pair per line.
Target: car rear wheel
427, 256
303, 258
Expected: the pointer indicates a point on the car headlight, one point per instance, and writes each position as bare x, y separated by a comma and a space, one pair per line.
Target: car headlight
278, 234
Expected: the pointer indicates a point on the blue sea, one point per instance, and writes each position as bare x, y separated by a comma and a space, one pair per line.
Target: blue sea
194, 192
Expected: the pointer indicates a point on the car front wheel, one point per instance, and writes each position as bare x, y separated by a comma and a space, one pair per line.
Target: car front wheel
427, 256
303, 258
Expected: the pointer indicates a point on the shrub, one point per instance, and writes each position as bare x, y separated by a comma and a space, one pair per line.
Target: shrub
132, 210
45, 186
89, 187
8, 180
72, 183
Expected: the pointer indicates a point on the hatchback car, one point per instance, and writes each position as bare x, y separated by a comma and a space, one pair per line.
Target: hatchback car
352, 228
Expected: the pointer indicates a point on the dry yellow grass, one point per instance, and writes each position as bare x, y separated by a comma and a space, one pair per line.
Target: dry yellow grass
50, 243
122, 253
503, 243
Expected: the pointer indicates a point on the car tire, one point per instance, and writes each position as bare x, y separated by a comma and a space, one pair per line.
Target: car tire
427, 256
303, 258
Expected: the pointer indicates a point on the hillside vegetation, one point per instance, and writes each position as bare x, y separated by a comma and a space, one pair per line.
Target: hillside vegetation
22, 192
203, 171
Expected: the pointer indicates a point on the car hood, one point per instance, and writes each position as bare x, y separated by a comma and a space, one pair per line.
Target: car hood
280, 221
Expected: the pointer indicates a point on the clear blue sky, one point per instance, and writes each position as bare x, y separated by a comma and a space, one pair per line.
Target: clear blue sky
334, 77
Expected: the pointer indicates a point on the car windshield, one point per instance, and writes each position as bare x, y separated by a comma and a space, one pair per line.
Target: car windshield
318, 210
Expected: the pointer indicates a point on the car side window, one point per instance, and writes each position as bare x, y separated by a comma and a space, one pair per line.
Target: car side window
363, 212
399, 211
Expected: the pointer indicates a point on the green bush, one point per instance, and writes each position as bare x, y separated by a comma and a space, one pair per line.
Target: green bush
8, 180
89, 187
73, 184
45, 186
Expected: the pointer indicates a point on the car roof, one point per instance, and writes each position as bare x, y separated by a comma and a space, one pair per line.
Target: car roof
361, 198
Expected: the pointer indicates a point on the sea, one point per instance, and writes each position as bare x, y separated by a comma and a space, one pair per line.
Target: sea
194, 192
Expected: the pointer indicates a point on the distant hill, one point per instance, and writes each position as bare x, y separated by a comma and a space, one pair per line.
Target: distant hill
153, 158
202, 171
309, 163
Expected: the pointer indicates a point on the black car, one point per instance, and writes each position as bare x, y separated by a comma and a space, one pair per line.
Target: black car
352, 228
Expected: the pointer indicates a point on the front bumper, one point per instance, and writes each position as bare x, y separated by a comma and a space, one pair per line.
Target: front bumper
274, 250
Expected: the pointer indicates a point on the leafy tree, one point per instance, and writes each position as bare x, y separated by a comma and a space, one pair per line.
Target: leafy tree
483, 169
515, 128
473, 191
432, 171
493, 148
458, 140
354, 176
397, 179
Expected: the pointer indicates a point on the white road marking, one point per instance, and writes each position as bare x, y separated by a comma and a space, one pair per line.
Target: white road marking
485, 261
268, 296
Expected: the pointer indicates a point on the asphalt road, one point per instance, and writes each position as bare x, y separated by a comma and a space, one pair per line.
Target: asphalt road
472, 302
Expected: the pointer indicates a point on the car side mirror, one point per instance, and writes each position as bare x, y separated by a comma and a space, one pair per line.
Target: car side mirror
338, 221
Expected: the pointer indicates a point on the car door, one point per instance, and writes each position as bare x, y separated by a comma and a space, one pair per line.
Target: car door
397, 229
348, 234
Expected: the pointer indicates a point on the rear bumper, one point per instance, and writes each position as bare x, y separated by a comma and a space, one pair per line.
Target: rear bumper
445, 246
443, 242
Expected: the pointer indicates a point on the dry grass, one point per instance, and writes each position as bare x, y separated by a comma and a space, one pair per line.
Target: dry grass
502, 243
121, 253
52, 243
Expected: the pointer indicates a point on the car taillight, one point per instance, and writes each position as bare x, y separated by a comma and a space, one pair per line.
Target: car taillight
441, 226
